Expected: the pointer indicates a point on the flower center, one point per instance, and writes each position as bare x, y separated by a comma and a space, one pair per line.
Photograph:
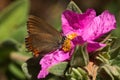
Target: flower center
71, 36
66, 45
67, 42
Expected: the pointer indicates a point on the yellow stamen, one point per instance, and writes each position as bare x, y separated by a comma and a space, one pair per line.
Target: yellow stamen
66, 45
72, 36
67, 42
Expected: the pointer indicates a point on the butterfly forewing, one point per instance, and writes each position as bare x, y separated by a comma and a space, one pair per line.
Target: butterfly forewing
42, 38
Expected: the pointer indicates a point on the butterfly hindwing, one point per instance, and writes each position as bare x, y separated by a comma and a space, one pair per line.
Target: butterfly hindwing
42, 38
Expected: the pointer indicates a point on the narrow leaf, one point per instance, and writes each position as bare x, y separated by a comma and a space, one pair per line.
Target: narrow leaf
76, 74
80, 57
109, 72
73, 7
84, 74
104, 73
115, 52
102, 58
16, 71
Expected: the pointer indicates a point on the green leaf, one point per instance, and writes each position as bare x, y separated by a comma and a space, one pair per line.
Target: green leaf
103, 58
80, 57
77, 74
116, 60
12, 17
16, 71
115, 52
20, 34
115, 43
73, 7
110, 54
84, 74
58, 69
105, 74
108, 72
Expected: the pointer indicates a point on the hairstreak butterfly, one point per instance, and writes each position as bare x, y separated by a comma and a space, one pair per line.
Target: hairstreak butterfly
42, 38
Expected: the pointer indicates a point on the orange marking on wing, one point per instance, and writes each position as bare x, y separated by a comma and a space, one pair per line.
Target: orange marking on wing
36, 52
30, 47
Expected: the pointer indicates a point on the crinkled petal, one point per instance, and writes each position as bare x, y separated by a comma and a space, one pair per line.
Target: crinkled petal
50, 60
99, 26
86, 18
93, 46
71, 21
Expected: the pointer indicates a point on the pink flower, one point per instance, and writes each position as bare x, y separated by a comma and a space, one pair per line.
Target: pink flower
78, 29
88, 26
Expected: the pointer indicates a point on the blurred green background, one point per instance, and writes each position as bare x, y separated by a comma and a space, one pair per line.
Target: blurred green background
13, 17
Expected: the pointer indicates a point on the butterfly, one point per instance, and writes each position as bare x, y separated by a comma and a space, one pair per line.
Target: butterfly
42, 37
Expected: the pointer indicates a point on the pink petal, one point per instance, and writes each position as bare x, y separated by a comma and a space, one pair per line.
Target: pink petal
99, 26
68, 19
50, 60
93, 46
72, 21
86, 18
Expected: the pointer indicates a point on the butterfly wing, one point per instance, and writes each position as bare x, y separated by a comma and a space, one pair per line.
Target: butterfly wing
32, 67
42, 37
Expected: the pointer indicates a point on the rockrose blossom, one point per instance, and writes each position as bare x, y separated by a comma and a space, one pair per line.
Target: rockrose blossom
78, 29
88, 26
